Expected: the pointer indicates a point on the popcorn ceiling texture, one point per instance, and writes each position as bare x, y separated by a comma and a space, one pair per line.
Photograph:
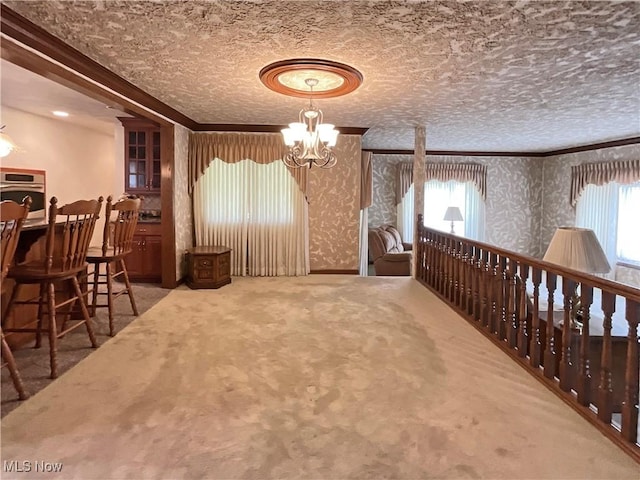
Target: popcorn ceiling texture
481, 75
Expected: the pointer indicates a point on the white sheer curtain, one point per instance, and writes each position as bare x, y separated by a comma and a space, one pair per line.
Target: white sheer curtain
440, 195
437, 197
404, 216
597, 209
474, 206
628, 222
258, 211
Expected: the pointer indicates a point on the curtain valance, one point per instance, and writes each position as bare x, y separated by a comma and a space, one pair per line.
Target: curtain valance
235, 147
404, 179
600, 173
459, 172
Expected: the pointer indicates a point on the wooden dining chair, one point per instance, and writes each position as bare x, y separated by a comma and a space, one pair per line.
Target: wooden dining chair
67, 239
117, 243
12, 217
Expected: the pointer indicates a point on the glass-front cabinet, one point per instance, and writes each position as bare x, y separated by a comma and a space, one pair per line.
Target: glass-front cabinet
142, 156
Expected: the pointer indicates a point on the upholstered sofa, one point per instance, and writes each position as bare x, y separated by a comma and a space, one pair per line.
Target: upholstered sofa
391, 256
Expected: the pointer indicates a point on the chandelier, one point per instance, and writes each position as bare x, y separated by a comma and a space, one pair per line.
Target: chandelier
309, 139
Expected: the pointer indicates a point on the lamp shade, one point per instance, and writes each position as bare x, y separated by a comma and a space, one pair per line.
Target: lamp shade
578, 249
453, 214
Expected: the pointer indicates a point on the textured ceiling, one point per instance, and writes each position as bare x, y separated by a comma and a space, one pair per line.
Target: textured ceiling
480, 75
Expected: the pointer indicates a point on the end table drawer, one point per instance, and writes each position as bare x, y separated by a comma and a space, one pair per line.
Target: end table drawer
204, 262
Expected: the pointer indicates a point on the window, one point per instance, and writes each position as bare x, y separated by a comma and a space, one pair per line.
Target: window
611, 211
628, 234
258, 211
437, 197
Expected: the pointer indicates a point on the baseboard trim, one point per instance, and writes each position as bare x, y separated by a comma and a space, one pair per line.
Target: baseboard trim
334, 272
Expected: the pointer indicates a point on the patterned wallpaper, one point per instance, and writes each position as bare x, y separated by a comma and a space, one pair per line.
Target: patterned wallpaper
514, 197
383, 202
181, 201
334, 209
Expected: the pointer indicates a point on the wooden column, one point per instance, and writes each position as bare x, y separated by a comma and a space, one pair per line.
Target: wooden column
419, 159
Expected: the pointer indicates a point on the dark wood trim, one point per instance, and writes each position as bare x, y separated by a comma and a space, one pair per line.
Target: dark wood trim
232, 127
335, 272
18, 55
381, 151
594, 146
27, 33
551, 153
167, 153
134, 122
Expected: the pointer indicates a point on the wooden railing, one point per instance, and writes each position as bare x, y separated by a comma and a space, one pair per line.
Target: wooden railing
595, 369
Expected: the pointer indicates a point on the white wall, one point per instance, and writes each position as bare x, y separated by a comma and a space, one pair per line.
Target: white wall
80, 163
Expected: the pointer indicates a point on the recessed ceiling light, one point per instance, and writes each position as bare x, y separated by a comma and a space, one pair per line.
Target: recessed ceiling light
60, 113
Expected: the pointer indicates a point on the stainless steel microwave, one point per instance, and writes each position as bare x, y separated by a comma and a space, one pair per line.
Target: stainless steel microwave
16, 183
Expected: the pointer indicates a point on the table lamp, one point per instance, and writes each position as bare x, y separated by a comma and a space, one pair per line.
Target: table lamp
578, 249
453, 214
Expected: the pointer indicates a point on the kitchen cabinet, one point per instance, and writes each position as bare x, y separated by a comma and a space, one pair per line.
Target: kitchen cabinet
141, 156
144, 262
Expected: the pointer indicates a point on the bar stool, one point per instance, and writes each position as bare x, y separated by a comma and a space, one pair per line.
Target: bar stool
12, 216
67, 240
117, 242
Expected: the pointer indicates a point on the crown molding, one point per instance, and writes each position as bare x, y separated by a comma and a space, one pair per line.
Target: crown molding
594, 146
550, 153
232, 127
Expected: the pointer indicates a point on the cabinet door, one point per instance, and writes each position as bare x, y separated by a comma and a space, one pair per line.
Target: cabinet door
155, 163
153, 255
134, 260
136, 159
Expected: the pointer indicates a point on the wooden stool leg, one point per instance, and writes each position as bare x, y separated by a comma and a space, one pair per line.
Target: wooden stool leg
128, 285
12, 299
13, 369
85, 312
94, 295
110, 298
41, 298
53, 329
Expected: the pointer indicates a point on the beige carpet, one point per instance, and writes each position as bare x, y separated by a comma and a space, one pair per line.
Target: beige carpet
323, 377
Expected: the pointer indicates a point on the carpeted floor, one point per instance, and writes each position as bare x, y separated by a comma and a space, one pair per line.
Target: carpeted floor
320, 377
34, 363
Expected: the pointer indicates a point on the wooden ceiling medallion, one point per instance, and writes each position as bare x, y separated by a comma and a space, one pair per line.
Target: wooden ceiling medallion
275, 77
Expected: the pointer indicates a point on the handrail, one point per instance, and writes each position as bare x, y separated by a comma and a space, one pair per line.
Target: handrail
596, 373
